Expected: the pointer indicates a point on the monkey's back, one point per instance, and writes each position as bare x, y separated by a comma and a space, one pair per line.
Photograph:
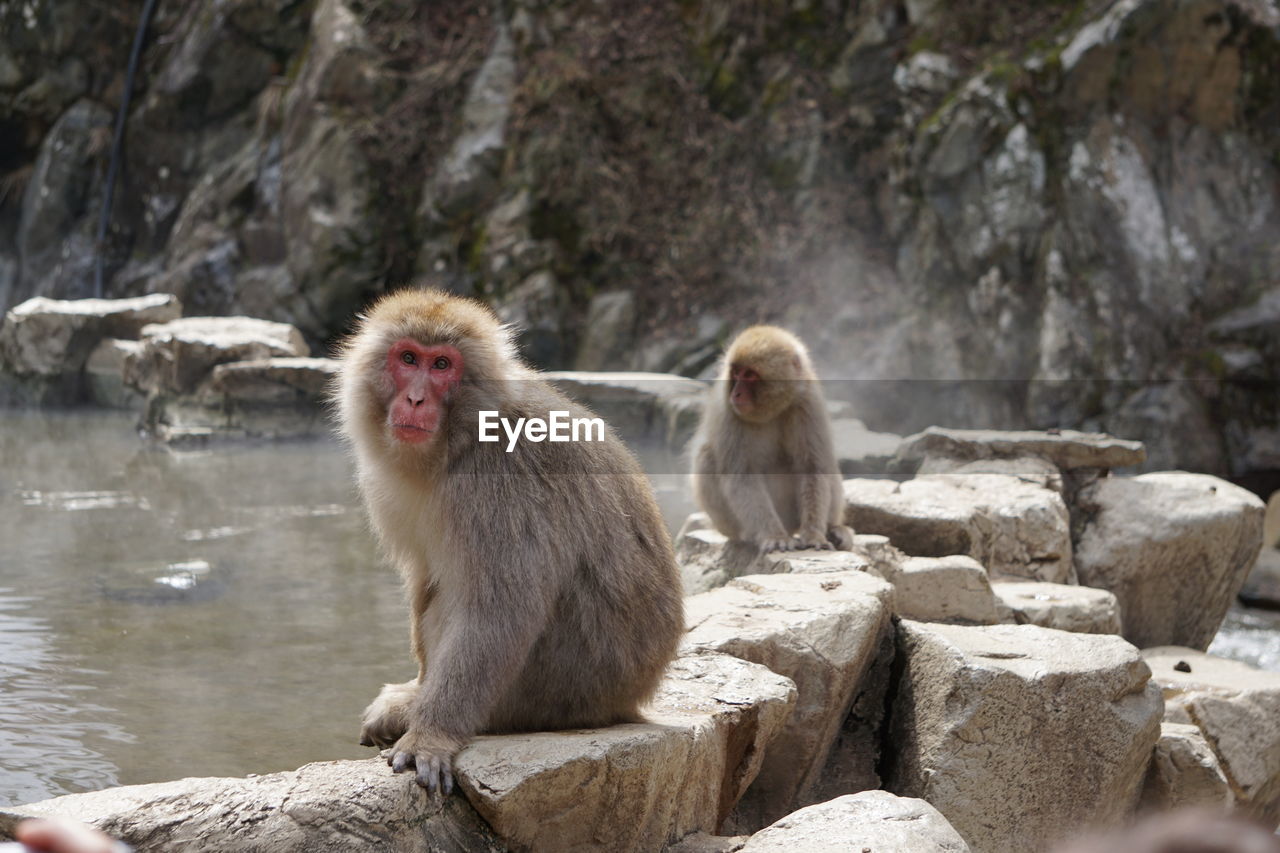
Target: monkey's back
602, 554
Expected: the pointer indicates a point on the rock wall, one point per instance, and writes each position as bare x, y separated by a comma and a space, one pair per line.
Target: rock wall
1060, 215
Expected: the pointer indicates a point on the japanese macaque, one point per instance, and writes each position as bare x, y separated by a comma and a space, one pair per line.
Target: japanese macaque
541, 581
764, 468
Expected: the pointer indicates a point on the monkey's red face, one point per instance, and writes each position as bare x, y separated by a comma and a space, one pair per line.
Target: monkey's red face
423, 376
744, 385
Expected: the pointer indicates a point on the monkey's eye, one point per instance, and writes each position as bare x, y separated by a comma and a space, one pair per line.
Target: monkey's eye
441, 363
408, 357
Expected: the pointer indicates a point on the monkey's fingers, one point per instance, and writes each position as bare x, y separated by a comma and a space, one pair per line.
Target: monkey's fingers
400, 760
435, 773
769, 546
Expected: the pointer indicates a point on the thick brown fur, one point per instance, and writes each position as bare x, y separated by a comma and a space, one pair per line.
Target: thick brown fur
770, 476
542, 585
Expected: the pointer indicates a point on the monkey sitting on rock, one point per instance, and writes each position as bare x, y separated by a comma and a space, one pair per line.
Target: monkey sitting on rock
542, 585
764, 467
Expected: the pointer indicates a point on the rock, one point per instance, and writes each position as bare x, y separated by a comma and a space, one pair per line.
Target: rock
330, 806
535, 307
862, 452
946, 589
1019, 734
1067, 608
177, 355
1014, 528
271, 398
1175, 427
872, 820
1030, 469
1173, 547
1262, 586
822, 632
1185, 772
104, 374
56, 230
51, 337
1066, 448
609, 332
1237, 708
657, 408
637, 786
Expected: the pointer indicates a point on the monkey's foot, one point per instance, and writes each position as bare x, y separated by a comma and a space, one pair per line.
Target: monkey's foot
769, 546
841, 537
431, 754
814, 540
387, 717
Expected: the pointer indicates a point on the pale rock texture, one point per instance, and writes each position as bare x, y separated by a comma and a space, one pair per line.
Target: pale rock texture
629, 787
1237, 708
46, 337
1019, 734
822, 632
104, 374
872, 820
946, 589
641, 407
1185, 772
1262, 586
1066, 449
1175, 549
1053, 605
637, 786
176, 355
1013, 527
1031, 469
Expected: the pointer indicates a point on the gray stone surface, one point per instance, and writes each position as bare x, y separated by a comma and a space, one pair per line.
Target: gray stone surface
1019, 734
1175, 549
1053, 605
1185, 772
1012, 527
822, 632
1066, 449
874, 821
1237, 708
176, 356
659, 408
946, 589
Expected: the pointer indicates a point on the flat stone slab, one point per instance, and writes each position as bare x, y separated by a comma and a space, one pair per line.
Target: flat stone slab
1066, 448
288, 380
1237, 707
861, 452
1175, 549
1018, 734
176, 356
627, 787
822, 632
946, 589
1081, 609
1012, 527
870, 821
638, 786
659, 408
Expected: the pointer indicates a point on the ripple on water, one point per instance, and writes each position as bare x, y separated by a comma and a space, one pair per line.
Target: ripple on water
43, 725
1250, 635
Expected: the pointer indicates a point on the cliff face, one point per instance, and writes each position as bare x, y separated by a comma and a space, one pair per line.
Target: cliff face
1065, 213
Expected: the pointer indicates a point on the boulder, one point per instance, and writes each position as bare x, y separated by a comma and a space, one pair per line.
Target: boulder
627, 787
331, 806
822, 632
1019, 734
869, 821
177, 355
48, 342
946, 589
1261, 587
1185, 772
1082, 609
1175, 549
1031, 469
861, 452
1237, 708
1066, 449
659, 408
1013, 527
637, 786
104, 374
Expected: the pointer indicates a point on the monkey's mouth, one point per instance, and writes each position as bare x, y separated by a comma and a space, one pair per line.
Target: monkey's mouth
411, 426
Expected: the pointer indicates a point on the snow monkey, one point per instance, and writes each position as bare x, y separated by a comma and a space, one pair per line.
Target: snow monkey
542, 586
764, 468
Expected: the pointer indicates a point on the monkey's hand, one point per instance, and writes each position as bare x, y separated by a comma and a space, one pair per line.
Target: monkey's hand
431, 753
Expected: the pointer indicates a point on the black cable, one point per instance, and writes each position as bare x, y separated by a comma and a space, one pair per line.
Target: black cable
117, 143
